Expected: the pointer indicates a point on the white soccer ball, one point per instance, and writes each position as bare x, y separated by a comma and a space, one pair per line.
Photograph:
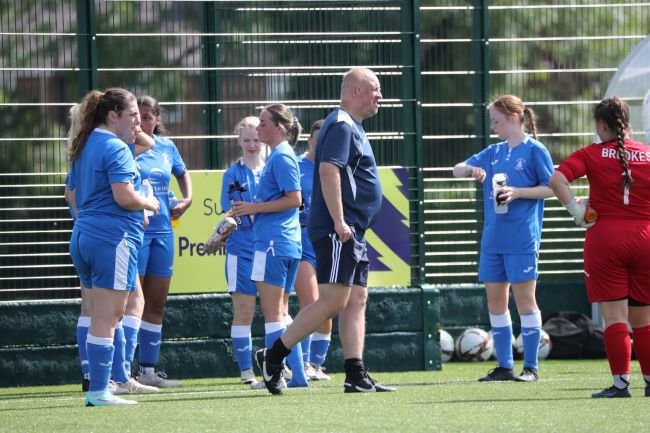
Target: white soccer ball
446, 345
494, 352
474, 344
544, 345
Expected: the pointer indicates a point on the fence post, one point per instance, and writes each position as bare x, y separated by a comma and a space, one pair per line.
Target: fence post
213, 156
481, 66
87, 46
412, 125
430, 327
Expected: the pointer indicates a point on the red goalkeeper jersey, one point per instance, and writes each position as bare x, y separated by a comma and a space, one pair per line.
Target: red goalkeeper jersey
600, 163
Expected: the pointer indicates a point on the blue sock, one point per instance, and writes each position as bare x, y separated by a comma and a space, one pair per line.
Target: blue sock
273, 331
531, 333
502, 336
305, 345
100, 359
242, 344
131, 326
320, 344
82, 333
118, 371
149, 339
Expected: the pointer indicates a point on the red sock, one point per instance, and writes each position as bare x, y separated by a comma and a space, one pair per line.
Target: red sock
642, 347
618, 347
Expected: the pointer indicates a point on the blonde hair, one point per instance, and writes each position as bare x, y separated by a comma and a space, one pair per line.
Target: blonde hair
511, 104
75, 124
246, 122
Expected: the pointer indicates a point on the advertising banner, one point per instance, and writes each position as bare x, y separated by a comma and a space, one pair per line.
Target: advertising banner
196, 271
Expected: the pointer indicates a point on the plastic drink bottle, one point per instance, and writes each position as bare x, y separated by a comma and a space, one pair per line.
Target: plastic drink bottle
173, 202
147, 191
499, 180
235, 191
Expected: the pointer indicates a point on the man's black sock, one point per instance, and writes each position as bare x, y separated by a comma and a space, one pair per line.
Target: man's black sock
277, 352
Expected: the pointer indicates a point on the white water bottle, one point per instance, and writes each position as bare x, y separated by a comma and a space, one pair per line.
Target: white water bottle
499, 180
147, 191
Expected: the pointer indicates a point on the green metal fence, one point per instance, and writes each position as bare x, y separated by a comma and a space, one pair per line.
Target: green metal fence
211, 63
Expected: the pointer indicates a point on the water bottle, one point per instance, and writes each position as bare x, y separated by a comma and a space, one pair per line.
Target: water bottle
173, 202
147, 191
499, 180
235, 191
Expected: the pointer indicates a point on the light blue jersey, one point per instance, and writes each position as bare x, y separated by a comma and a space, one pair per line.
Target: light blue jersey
519, 230
158, 164
105, 160
306, 184
241, 242
279, 231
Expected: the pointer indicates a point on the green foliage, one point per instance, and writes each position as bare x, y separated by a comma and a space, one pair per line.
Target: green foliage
546, 40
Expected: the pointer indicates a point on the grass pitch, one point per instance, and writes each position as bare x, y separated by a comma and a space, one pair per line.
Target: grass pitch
443, 401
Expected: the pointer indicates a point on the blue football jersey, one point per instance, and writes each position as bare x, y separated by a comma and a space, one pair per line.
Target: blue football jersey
519, 230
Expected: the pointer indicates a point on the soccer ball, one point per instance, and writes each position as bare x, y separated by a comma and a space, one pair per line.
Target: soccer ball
474, 344
544, 345
446, 345
494, 352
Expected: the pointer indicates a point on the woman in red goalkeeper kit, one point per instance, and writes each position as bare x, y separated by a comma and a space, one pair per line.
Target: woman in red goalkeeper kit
617, 243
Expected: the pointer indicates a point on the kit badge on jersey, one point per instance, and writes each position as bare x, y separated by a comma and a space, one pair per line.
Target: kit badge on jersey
521, 164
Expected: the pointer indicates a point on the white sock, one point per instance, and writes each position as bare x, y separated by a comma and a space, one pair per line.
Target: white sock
621, 381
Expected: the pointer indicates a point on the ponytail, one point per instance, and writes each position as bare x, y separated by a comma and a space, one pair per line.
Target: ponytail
293, 132
86, 117
529, 120
94, 112
622, 154
511, 104
282, 115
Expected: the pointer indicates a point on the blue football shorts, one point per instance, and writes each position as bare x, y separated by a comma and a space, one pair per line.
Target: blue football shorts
103, 264
512, 268
156, 257
279, 271
308, 253
238, 275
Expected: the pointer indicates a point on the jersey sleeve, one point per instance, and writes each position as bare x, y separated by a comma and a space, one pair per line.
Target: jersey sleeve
575, 166
70, 181
336, 145
543, 166
119, 163
178, 165
287, 173
228, 178
480, 159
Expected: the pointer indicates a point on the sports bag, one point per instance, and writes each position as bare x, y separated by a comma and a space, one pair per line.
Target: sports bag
574, 336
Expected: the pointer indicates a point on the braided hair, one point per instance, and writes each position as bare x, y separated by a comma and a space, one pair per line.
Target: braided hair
616, 115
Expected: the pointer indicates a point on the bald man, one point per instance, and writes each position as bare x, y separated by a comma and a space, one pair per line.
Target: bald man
346, 199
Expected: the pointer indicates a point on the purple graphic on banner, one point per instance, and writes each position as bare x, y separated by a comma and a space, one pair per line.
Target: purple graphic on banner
391, 229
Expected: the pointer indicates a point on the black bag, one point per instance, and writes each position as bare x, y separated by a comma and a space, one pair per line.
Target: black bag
574, 336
